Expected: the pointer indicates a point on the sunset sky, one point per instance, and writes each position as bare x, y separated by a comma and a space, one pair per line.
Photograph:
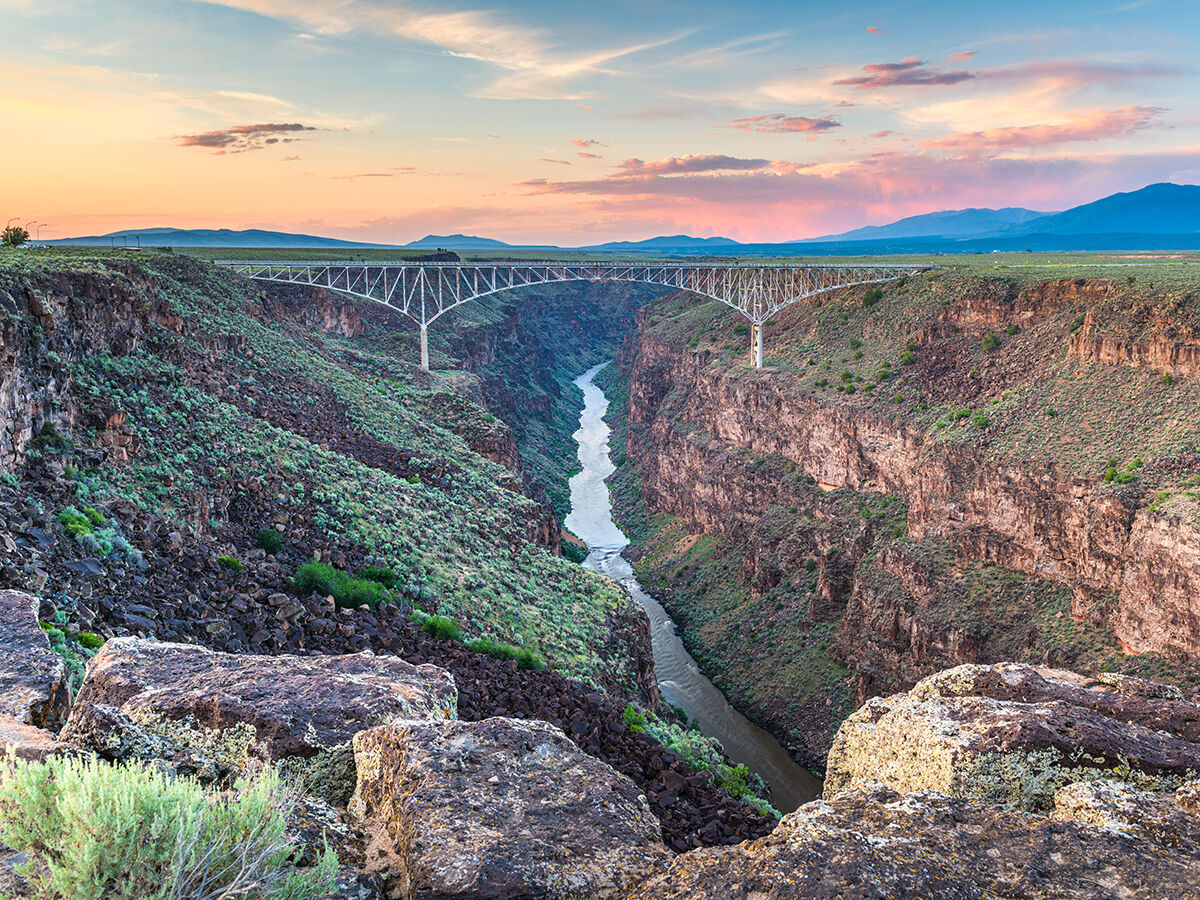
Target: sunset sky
570, 123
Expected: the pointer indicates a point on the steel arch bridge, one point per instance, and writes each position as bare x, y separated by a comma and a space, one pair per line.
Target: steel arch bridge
425, 291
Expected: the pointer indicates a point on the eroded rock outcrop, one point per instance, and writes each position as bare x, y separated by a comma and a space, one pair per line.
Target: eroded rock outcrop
33, 678
498, 808
1014, 734
211, 712
1104, 841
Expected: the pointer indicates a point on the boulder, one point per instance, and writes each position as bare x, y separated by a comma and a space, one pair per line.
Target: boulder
498, 808
871, 842
211, 713
1014, 734
27, 742
34, 685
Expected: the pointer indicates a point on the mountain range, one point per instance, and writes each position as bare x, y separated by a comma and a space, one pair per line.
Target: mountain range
1159, 216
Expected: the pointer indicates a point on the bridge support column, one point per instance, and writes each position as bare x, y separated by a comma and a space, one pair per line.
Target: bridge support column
756, 344
424, 346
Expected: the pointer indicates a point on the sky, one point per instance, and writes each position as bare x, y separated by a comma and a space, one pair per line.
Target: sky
574, 123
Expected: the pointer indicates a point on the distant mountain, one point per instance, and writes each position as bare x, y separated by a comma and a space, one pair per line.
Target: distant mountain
666, 242
1156, 209
456, 242
208, 237
951, 223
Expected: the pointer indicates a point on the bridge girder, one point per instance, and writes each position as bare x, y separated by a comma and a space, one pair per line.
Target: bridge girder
425, 291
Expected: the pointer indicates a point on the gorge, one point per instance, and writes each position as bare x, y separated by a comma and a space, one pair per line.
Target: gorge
235, 516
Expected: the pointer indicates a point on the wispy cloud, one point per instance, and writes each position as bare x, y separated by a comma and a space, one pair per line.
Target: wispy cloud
1096, 125
534, 68
689, 164
240, 138
395, 172
587, 142
874, 29
778, 123
908, 72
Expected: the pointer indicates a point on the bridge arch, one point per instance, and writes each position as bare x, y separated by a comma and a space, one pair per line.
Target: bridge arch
425, 291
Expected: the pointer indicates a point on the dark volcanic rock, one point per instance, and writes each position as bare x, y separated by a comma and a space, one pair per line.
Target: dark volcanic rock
1014, 734
1105, 841
33, 678
498, 808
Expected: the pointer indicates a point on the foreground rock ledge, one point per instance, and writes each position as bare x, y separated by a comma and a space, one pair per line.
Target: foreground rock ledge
498, 808
33, 678
1014, 734
1105, 841
210, 712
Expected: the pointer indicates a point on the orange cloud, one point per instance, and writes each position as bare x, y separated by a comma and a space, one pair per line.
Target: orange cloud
1096, 125
874, 29
585, 143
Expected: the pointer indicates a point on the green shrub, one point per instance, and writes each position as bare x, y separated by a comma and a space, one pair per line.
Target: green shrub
527, 659
379, 575
316, 577
634, 720
1012, 329
741, 329
94, 516
75, 524
907, 358
1167, 378
269, 539
573, 552
991, 342
232, 563
1076, 324
855, 343
442, 627
90, 641
980, 420
98, 831
872, 296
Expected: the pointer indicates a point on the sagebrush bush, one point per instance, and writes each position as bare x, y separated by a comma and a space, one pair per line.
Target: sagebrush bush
232, 563
98, 831
270, 540
379, 575
442, 627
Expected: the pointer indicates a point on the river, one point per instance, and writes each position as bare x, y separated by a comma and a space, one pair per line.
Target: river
679, 678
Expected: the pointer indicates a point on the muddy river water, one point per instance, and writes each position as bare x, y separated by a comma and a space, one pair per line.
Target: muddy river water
679, 678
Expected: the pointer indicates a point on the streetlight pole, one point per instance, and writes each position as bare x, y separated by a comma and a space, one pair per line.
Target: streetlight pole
41, 225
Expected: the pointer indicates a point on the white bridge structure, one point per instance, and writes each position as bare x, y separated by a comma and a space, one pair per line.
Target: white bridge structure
425, 291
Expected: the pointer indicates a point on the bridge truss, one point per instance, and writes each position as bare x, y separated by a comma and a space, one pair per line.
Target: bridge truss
425, 291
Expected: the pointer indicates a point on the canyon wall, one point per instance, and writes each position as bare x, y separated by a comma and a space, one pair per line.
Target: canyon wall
701, 435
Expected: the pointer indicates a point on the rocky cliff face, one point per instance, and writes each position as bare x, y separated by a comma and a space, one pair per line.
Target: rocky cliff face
724, 449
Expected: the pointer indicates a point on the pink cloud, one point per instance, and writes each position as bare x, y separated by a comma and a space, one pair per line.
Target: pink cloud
907, 72
589, 155
585, 143
560, 162
962, 56
882, 134
778, 123
1096, 125
874, 29
773, 204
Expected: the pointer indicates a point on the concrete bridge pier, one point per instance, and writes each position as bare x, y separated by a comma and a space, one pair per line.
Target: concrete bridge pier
756, 344
424, 346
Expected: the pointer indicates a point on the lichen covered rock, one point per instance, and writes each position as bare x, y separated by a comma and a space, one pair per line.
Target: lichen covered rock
33, 678
498, 808
871, 842
211, 713
1014, 734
